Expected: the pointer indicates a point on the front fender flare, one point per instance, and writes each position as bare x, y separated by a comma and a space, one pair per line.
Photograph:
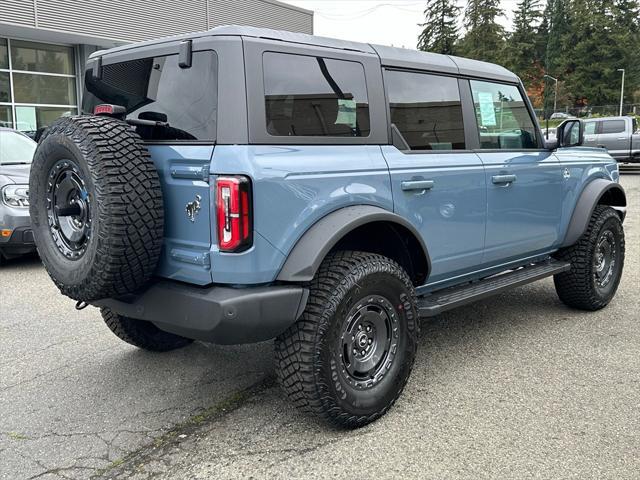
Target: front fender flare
307, 254
586, 204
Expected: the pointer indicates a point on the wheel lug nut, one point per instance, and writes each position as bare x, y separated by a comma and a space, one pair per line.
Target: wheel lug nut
370, 341
368, 329
363, 352
359, 327
355, 352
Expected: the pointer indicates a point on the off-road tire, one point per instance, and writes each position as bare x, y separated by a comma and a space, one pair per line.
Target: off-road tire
578, 288
142, 334
124, 205
308, 357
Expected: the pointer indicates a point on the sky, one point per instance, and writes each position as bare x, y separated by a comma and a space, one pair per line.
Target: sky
386, 22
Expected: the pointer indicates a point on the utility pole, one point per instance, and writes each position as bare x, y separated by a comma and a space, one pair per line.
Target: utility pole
555, 94
621, 90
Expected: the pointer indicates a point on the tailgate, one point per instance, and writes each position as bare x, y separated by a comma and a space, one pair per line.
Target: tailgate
184, 174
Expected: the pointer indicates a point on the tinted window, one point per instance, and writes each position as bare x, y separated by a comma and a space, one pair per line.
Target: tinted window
612, 126
502, 116
158, 89
426, 109
314, 96
589, 128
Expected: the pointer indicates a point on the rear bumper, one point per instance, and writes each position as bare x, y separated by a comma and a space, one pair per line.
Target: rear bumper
216, 314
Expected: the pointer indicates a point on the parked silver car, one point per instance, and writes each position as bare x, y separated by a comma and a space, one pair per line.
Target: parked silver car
619, 135
16, 153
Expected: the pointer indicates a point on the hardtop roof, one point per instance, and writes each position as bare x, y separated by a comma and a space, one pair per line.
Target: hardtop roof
389, 56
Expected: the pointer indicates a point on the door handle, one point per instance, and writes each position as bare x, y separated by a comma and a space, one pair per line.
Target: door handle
503, 179
622, 138
409, 185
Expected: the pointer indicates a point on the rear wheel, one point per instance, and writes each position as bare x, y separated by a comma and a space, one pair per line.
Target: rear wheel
349, 356
141, 333
597, 260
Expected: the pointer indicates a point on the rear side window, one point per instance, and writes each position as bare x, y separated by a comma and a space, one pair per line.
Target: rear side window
502, 116
612, 126
426, 109
158, 89
314, 96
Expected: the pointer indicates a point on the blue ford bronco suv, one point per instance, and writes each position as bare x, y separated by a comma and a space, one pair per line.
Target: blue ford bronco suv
242, 184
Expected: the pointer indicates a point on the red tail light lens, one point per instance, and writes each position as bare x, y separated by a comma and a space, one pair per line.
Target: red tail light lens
233, 212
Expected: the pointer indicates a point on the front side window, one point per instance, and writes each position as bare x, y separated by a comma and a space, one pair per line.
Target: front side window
502, 117
314, 96
426, 109
589, 128
158, 89
613, 126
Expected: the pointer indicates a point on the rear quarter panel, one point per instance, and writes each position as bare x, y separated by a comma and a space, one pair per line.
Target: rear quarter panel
293, 187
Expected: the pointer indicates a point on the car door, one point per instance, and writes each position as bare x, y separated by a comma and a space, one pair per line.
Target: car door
613, 136
438, 183
590, 138
524, 181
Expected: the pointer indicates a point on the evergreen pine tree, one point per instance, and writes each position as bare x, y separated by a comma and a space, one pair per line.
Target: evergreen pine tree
597, 50
440, 32
484, 38
522, 52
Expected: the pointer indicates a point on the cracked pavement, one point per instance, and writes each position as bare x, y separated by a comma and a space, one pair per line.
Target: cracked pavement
517, 386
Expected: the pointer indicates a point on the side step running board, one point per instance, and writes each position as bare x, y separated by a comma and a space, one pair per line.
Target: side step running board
448, 298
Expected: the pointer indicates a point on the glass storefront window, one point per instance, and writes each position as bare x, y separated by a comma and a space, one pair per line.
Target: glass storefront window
37, 84
29, 88
29, 119
6, 119
41, 57
5, 88
4, 54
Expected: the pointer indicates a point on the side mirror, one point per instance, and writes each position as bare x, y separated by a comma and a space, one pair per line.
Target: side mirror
570, 133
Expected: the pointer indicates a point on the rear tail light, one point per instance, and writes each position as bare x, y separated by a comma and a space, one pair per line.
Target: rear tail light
233, 212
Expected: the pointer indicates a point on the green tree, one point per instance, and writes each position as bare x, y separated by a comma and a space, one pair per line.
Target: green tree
522, 51
597, 47
557, 24
484, 38
440, 32
626, 17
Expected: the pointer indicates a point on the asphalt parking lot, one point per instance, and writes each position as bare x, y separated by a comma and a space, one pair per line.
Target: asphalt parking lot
518, 386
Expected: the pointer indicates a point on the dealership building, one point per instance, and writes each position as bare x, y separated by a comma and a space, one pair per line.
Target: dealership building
44, 44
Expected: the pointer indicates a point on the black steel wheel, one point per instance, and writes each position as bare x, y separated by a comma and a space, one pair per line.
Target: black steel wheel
368, 342
349, 356
68, 209
597, 261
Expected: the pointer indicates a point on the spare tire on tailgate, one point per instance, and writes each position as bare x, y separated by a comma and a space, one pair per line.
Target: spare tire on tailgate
96, 207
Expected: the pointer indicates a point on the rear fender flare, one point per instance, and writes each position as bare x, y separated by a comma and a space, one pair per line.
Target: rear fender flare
307, 254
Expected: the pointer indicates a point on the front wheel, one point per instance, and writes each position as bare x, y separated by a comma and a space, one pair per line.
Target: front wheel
349, 356
597, 260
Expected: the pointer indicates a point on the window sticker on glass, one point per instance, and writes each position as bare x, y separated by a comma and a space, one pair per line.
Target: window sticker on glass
487, 109
346, 113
